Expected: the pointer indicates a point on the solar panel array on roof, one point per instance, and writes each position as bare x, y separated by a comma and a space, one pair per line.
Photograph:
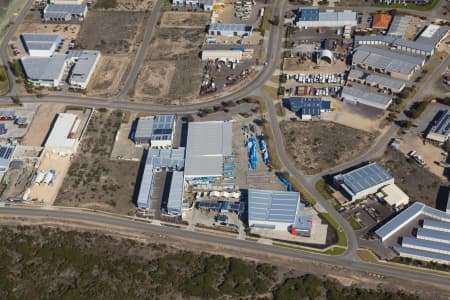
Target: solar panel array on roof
6, 153
441, 125
163, 127
308, 106
272, 206
365, 177
308, 14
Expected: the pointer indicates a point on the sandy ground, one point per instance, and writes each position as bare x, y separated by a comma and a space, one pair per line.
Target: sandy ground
130, 5
156, 81
46, 194
294, 66
42, 121
317, 146
108, 75
124, 148
175, 19
66, 31
356, 116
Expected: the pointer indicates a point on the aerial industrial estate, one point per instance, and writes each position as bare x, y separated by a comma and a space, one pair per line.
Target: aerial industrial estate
314, 128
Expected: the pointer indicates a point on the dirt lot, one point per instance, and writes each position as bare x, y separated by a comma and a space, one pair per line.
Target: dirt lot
43, 118
419, 183
316, 146
66, 31
100, 31
108, 75
123, 5
185, 19
172, 70
95, 181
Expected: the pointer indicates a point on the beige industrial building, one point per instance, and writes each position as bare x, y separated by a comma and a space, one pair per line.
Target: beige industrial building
223, 55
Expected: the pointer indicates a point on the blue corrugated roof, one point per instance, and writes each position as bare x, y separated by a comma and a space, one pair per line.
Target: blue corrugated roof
443, 237
422, 254
308, 106
425, 245
308, 14
441, 226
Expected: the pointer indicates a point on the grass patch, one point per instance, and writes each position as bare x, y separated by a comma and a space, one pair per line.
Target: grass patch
265, 21
322, 188
218, 228
105, 4
300, 188
355, 224
271, 91
279, 110
273, 154
426, 7
332, 251
342, 239
335, 251
367, 255
3, 80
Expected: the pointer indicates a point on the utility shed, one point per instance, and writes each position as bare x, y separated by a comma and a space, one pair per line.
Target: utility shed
355, 95
6, 155
85, 62
40, 44
440, 128
363, 181
272, 210
60, 137
394, 196
207, 144
44, 71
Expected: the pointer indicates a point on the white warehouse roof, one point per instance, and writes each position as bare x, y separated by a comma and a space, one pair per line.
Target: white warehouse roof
59, 137
44, 68
85, 63
394, 195
207, 144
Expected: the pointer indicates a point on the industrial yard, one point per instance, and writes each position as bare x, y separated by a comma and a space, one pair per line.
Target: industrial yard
93, 180
312, 149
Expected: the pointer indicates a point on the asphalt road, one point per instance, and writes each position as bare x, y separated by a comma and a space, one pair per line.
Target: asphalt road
106, 221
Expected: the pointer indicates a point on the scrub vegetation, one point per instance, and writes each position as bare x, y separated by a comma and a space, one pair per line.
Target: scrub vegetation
44, 263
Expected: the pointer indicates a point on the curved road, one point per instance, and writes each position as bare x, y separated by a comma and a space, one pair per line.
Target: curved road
107, 221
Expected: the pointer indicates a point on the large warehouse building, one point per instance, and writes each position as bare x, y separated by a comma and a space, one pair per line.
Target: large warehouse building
155, 161
354, 95
44, 71
43, 45
222, 55
313, 17
60, 139
375, 80
307, 108
397, 65
363, 181
157, 131
272, 210
209, 144
85, 63
64, 12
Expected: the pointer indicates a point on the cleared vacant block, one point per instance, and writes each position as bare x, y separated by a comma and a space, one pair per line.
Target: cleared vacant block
95, 181
185, 19
316, 146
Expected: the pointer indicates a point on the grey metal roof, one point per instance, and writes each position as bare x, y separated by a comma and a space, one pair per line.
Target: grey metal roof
43, 68
337, 16
436, 214
155, 159
422, 254
381, 39
207, 143
272, 206
399, 25
425, 245
35, 41
163, 127
400, 220
230, 27
388, 82
175, 199
436, 225
443, 237
364, 177
144, 128
365, 96
356, 74
432, 35
84, 65
6, 153
385, 59
53, 10
441, 123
